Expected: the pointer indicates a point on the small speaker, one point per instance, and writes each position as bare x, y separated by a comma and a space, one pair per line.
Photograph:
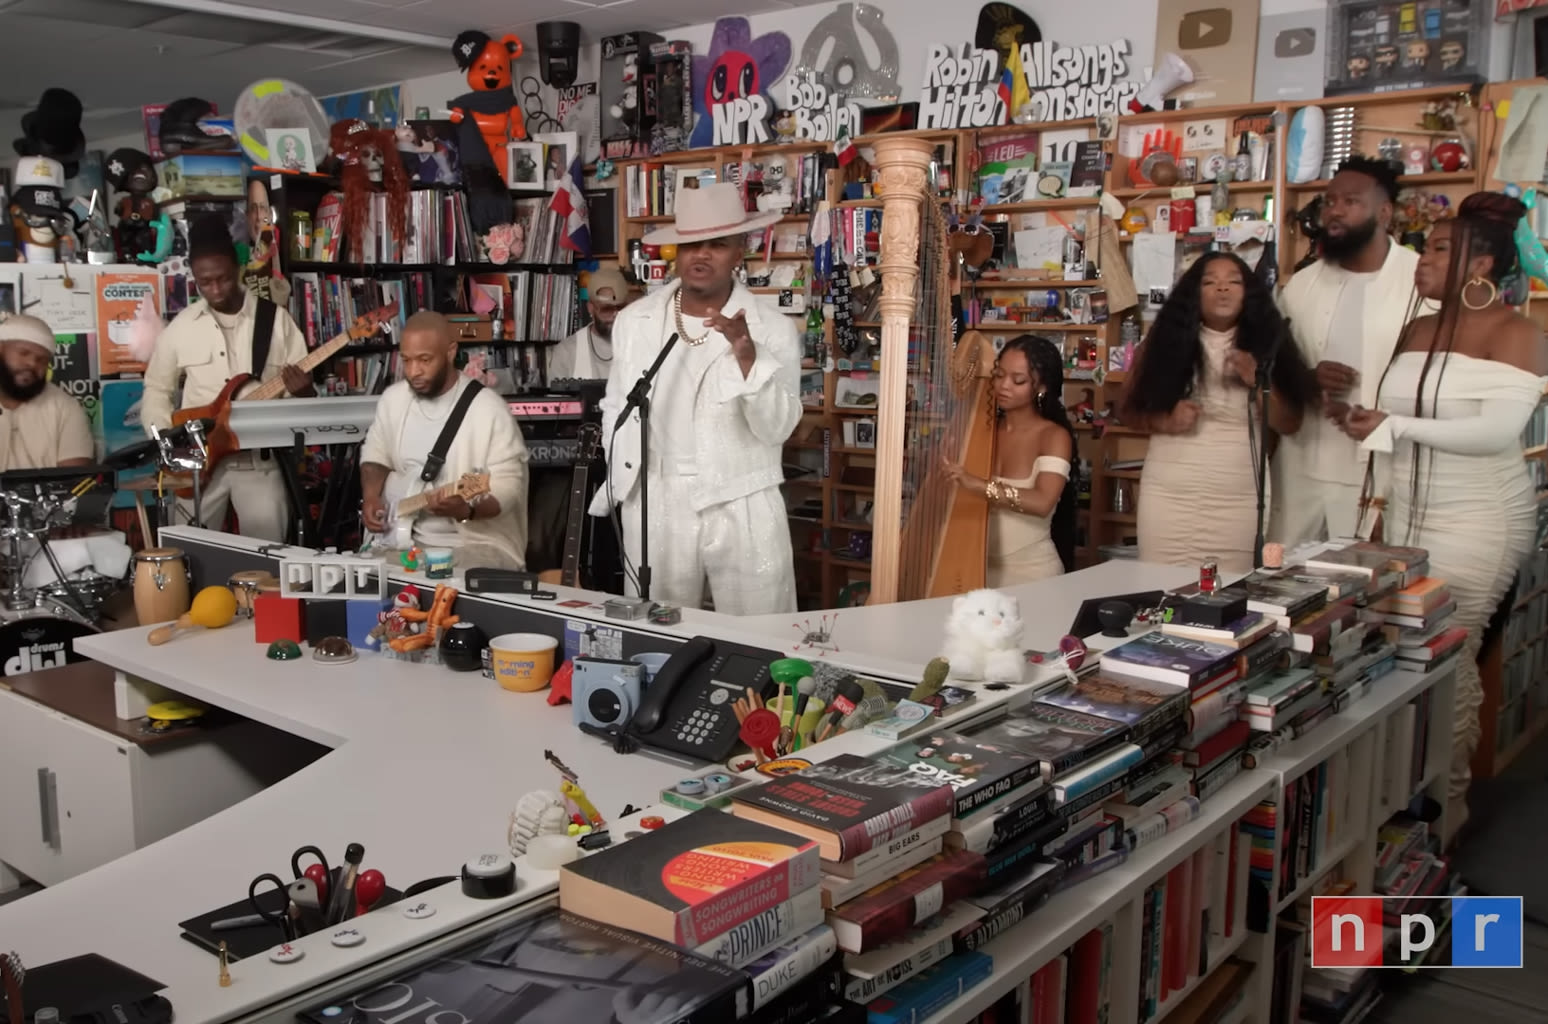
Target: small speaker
605, 692
558, 52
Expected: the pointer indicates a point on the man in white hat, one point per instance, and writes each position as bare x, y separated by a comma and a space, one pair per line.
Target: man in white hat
588, 353
726, 399
40, 426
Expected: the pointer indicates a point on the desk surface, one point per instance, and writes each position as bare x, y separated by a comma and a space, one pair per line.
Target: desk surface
426, 767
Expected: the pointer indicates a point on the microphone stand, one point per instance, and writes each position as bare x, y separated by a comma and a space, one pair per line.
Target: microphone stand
1263, 386
639, 398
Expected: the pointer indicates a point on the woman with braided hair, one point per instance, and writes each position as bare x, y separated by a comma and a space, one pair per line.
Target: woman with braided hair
1446, 472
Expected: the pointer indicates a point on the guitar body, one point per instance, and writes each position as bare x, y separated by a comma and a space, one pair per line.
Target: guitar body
403, 507
219, 441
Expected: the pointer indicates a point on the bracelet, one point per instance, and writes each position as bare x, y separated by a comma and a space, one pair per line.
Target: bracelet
999, 492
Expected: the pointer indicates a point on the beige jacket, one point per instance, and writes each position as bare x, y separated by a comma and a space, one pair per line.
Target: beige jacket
193, 348
488, 440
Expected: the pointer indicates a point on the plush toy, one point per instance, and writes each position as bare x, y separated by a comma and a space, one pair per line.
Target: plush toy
983, 637
143, 232
487, 118
362, 152
38, 214
627, 109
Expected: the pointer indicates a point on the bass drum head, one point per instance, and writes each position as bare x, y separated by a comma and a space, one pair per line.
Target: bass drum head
40, 642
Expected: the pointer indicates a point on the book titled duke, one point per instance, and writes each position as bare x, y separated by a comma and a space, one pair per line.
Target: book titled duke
691, 880
1167, 659
848, 804
977, 772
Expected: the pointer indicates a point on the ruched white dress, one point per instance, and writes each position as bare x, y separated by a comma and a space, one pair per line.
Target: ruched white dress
1021, 548
1476, 512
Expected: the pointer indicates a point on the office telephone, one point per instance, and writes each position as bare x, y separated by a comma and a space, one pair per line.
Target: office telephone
686, 709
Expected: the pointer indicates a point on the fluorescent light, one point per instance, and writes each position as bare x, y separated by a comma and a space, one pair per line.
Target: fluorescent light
246, 13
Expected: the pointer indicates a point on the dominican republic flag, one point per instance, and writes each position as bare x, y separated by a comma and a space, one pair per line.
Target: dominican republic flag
569, 202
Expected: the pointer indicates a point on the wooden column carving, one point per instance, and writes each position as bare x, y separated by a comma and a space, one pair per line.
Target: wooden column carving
902, 164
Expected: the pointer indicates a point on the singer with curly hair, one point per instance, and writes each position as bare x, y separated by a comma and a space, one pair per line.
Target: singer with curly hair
1447, 474
1195, 387
1031, 497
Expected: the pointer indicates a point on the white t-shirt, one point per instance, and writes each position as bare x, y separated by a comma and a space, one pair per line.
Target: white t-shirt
43, 432
673, 447
1337, 458
421, 427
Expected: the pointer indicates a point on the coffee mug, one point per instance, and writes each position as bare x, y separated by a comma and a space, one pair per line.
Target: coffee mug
651, 662
523, 662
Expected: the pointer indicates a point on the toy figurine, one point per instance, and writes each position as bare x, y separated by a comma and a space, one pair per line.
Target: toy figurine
362, 152
143, 233
627, 110
487, 118
38, 214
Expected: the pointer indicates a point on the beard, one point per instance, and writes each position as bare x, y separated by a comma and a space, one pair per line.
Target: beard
602, 330
20, 392
1354, 238
433, 386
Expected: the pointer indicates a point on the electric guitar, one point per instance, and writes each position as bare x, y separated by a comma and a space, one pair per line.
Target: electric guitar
568, 575
219, 440
12, 973
402, 507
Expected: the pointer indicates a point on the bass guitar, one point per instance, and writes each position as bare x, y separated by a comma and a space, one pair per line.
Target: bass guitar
590, 450
12, 973
219, 439
402, 508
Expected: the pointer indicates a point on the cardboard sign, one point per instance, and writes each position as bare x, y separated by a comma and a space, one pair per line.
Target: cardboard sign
961, 89
1071, 82
820, 114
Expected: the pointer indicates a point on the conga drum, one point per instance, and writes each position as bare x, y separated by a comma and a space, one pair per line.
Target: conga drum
244, 586
161, 582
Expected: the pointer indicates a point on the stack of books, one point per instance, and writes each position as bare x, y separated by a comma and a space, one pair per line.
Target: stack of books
1417, 620
729, 891
890, 884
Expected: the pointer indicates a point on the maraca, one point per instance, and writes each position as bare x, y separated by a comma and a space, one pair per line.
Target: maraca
319, 876
369, 888
213, 607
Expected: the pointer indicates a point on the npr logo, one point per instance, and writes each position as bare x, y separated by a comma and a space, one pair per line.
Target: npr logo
1349, 931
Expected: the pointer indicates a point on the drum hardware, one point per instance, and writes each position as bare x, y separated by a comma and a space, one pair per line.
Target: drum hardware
189, 460
31, 519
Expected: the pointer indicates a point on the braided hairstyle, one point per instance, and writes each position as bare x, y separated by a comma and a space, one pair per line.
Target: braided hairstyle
1046, 360
1485, 225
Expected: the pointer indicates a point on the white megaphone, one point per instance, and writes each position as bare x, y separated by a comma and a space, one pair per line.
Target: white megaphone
1173, 72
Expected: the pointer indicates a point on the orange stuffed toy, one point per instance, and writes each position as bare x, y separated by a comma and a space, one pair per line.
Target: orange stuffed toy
492, 106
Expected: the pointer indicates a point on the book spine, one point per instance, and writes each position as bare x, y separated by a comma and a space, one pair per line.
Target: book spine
916, 962
969, 802
1095, 796
897, 823
784, 967
1111, 767
984, 929
864, 923
806, 1001
697, 924
928, 994
877, 855
743, 943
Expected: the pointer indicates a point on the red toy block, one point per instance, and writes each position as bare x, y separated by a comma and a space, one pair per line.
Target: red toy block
278, 618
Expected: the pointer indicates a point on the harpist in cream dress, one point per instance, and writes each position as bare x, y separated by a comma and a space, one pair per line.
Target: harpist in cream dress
1021, 547
1476, 512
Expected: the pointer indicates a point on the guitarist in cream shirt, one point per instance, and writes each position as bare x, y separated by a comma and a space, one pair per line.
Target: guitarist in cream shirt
488, 531
206, 345
1347, 312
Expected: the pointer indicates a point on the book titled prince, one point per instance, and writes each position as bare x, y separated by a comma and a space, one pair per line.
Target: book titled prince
1168, 659
692, 879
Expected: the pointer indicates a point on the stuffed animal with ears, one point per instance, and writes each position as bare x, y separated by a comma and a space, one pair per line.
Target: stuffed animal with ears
368, 163
487, 118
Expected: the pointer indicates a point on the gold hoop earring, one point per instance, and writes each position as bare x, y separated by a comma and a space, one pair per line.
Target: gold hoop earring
1494, 292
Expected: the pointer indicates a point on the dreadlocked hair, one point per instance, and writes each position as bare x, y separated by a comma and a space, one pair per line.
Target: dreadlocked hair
1485, 225
209, 236
1046, 360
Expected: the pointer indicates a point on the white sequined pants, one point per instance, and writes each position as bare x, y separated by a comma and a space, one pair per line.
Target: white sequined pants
742, 547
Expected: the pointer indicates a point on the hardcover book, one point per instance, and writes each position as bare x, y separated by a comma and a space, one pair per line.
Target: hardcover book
691, 880
553, 966
1283, 595
1125, 701
912, 897
1167, 659
978, 772
1059, 738
848, 805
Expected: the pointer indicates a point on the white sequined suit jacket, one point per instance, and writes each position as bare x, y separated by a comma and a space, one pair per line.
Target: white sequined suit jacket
738, 425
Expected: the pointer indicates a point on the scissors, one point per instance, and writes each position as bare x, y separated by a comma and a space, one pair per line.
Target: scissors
300, 896
279, 913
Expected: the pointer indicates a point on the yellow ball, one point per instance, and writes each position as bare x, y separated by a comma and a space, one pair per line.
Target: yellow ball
213, 607
669, 251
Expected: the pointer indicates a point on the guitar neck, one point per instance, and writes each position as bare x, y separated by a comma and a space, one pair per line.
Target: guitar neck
412, 504
275, 386
570, 571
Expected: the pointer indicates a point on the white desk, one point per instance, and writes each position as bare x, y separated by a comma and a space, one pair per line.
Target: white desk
426, 768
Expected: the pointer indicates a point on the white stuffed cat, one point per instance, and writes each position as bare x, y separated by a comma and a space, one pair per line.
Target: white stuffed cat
983, 637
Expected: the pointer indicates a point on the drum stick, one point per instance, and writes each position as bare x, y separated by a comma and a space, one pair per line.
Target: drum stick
146, 540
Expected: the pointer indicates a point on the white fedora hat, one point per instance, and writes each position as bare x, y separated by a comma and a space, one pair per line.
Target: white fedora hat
710, 211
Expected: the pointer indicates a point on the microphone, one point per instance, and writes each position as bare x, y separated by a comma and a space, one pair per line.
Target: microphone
639, 394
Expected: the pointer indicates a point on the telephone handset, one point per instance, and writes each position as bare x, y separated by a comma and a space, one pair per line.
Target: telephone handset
686, 709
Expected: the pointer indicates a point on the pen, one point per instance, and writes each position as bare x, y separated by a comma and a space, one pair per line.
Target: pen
231, 924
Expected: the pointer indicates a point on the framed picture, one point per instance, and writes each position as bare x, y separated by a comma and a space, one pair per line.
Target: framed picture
290, 149
559, 148
524, 164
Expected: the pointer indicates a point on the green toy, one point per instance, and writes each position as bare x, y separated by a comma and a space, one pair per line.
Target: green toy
284, 650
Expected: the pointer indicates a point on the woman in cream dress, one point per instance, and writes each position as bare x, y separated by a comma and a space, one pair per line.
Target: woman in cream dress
1031, 499
1448, 474
1193, 388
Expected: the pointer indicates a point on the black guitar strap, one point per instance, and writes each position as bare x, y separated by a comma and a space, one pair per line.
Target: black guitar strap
263, 335
437, 457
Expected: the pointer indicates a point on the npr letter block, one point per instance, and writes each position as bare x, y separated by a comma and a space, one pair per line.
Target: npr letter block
1419, 931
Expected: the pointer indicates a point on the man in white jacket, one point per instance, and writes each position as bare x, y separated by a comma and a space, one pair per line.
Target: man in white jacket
1347, 312
724, 402
488, 531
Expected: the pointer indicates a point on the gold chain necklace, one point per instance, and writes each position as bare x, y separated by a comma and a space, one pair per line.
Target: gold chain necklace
682, 329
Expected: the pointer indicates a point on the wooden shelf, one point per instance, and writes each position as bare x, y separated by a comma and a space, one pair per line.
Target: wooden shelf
1040, 205
1406, 181
1025, 283
1001, 327
1200, 187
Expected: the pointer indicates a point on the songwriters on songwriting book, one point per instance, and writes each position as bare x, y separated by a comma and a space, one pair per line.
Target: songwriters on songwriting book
205, 346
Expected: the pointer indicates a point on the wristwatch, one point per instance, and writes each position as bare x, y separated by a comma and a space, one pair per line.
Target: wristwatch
472, 508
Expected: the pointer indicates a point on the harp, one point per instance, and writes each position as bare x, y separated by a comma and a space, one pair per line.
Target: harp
931, 536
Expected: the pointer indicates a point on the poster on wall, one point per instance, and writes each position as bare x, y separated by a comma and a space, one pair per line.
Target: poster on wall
1218, 39
578, 109
10, 290
730, 101
1290, 57
119, 411
1067, 83
119, 296
73, 371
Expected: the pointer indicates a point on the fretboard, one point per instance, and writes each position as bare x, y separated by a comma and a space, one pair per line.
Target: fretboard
275, 386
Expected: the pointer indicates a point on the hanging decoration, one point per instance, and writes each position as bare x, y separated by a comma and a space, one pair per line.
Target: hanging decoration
729, 101
810, 111
1067, 83
962, 89
835, 55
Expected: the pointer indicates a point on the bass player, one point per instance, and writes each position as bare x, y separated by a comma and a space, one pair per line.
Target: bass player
232, 331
